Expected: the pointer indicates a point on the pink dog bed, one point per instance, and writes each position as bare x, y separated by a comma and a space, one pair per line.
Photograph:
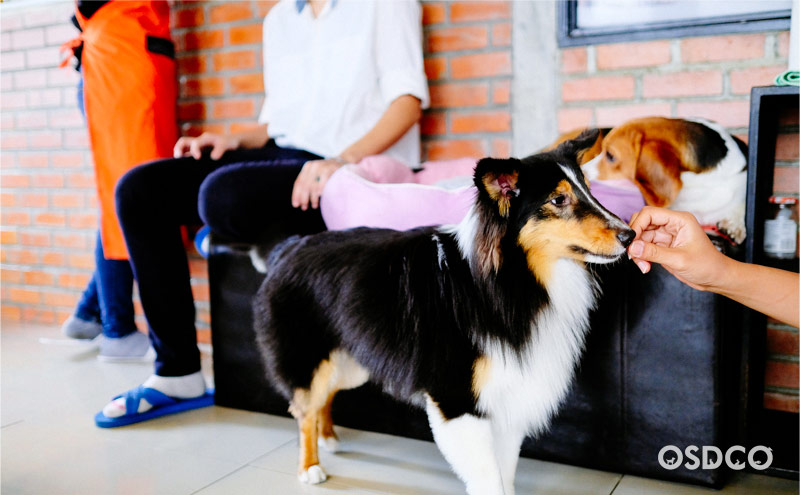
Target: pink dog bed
382, 192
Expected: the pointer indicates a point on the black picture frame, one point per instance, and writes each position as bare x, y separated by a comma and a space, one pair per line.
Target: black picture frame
570, 35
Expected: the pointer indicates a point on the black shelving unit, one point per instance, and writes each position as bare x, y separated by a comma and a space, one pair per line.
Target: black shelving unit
759, 426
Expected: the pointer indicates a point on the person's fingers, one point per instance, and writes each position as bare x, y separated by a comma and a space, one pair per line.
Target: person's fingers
219, 149
181, 146
663, 255
198, 143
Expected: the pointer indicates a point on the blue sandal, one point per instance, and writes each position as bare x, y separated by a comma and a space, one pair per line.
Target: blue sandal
162, 406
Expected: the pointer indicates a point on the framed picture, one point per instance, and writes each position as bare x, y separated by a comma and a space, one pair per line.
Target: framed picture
585, 22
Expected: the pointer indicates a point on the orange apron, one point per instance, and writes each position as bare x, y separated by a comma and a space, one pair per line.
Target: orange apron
130, 94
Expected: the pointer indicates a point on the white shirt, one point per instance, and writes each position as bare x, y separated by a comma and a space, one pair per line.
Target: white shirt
329, 79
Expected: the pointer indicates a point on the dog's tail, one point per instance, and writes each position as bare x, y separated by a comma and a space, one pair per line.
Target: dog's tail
264, 256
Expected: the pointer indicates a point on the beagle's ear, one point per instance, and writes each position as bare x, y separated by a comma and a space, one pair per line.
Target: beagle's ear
658, 173
496, 181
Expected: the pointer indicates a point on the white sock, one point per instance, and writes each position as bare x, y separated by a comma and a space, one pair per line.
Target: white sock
178, 387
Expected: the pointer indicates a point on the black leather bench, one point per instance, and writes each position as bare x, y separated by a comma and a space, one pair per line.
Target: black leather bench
661, 368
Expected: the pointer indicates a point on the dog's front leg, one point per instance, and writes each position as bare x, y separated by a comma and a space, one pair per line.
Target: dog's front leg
466, 442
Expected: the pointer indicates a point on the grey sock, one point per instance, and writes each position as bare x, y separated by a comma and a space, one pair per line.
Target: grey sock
75, 328
133, 347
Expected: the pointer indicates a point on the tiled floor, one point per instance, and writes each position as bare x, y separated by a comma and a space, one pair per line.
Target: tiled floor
50, 446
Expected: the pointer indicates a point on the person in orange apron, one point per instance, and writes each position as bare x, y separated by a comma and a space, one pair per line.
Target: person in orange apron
128, 94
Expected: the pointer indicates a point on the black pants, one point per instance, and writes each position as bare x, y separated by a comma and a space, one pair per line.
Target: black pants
244, 196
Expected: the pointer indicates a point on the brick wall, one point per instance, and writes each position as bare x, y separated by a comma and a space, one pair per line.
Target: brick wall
48, 217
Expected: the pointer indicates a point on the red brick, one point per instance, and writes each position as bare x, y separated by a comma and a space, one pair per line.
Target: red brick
479, 11
786, 180
229, 12
66, 159
573, 60
615, 115
501, 92
11, 180
51, 219
457, 38
73, 280
782, 402
11, 21
188, 17
67, 200
60, 299
7, 200
228, 108
628, 55
62, 78
82, 260
200, 291
41, 57
39, 278
12, 61
733, 113
598, 88
245, 35
192, 111
36, 239
200, 40
247, 84
11, 313
27, 38
784, 342
264, 7
37, 315
203, 86
83, 221
32, 160
743, 80
70, 240
237, 127
193, 64
13, 140
30, 79
455, 148
781, 374
242, 59
480, 65
197, 129
459, 95
8, 237
33, 200
11, 276
76, 138
48, 98
480, 122
433, 13
45, 139
679, 84
721, 48
501, 148
31, 120
574, 118
501, 34
435, 68
787, 147
25, 296
47, 180
16, 218
53, 258
433, 123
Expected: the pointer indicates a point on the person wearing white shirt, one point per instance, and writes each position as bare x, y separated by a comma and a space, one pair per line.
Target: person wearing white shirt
344, 79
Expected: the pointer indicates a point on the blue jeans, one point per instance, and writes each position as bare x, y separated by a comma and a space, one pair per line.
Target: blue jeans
108, 299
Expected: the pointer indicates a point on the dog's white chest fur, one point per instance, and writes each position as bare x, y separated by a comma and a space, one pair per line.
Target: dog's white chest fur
523, 394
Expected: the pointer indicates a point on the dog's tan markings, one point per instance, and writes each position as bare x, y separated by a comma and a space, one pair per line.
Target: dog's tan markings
311, 406
497, 186
480, 374
545, 241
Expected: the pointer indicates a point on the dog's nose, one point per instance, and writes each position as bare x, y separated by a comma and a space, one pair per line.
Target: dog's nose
626, 237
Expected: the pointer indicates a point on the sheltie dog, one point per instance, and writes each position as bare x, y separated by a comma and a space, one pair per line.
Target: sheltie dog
481, 324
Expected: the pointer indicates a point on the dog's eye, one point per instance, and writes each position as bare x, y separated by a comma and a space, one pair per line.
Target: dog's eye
611, 158
560, 200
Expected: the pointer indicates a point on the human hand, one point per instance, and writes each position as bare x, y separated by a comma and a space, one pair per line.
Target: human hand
676, 241
194, 146
312, 179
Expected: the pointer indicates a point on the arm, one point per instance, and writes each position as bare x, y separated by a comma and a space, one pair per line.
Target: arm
398, 118
677, 242
220, 143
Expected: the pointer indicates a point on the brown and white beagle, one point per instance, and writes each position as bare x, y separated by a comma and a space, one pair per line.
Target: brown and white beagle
689, 165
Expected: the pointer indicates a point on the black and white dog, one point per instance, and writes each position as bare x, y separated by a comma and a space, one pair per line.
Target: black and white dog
481, 323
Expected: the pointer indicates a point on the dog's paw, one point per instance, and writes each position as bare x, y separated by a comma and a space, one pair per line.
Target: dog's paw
330, 444
734, 228
313, 475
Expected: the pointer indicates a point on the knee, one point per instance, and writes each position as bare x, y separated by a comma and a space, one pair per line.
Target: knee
135, 191
217, 203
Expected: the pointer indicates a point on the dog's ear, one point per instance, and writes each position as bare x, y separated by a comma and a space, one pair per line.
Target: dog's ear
583, 148
496, 180
658, 173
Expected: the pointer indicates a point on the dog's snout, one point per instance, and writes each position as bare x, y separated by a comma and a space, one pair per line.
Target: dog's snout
626, 236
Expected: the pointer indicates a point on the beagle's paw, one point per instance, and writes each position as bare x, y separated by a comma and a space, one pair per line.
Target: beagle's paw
313, 475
